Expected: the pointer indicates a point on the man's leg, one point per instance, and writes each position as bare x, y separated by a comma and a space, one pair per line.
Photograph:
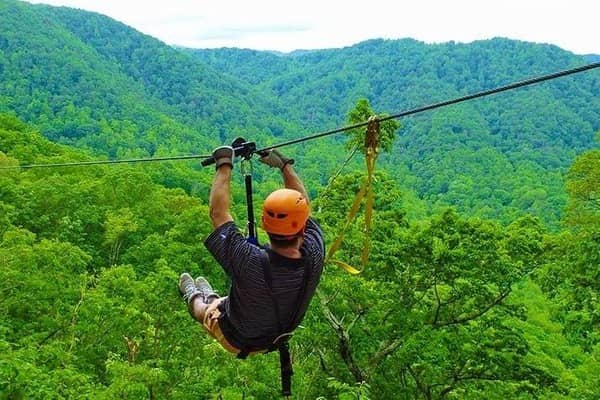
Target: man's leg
198, 309
200, 304
203, 305
197, 294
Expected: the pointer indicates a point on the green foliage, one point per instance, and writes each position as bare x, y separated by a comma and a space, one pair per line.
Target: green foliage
583, 181
89, 308
362, 112
550, 350
98, 84
430, 317
491, 299
344, 391
572, 273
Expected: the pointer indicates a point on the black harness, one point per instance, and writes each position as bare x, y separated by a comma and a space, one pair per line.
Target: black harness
280, 342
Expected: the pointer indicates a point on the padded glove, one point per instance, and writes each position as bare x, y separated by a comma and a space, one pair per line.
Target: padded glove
275, 159
223, 156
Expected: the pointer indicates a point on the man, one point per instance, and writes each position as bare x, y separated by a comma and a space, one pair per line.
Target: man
270, 288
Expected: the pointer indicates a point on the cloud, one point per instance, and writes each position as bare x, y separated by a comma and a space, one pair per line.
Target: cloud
239, 32
310, 24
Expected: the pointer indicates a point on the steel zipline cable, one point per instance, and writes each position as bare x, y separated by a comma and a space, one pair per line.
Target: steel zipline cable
100, 162
443, 103
413, 111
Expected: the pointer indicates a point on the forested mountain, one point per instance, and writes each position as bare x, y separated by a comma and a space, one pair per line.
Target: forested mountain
517, 142
87, 80
90, 81
495, 298
396, 75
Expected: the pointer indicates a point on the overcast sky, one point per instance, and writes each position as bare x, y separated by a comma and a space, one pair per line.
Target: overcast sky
283, 25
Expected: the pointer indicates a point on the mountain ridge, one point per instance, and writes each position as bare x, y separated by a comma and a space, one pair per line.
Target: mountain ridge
87, 80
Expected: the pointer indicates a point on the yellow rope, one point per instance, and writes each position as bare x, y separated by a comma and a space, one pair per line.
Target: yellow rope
366, 191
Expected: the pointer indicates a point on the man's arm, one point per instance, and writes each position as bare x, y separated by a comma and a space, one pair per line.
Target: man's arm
291, 180
219, 197
218, 202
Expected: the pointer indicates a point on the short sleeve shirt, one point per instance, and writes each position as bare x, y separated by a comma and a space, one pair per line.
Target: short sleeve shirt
249, 306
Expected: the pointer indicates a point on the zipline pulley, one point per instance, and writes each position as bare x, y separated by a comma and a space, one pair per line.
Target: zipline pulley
244, 150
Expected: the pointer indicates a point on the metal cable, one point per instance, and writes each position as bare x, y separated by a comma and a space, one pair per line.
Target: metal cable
100, 162
484, 93
443, 104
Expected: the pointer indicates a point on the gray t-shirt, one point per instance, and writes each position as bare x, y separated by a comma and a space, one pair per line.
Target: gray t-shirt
249, 307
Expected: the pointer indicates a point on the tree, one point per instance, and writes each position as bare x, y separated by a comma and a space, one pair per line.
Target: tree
430, 310
583, 187
361, 113
572, 273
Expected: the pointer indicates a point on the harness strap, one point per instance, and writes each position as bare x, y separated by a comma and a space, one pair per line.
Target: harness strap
285, 365
281, 342
268, 276
243, 354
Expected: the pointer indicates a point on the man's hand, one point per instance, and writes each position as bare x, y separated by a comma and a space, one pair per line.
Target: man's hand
223, 156
275, 159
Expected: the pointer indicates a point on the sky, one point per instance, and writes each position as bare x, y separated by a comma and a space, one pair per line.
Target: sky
280, 25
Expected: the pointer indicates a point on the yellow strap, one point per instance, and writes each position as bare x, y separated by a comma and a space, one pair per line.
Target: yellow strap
338, 241
371, 152
347, 267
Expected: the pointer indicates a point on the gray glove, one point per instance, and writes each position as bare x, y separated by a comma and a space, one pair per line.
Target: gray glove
223, 156
275, 159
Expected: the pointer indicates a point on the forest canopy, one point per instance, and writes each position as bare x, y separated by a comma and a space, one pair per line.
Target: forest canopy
482, 280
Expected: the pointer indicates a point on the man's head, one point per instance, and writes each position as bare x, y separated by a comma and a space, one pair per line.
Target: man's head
284, 216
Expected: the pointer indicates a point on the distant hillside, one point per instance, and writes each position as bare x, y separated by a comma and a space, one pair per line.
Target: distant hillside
87, 80
592, 57
516, 142
396, 75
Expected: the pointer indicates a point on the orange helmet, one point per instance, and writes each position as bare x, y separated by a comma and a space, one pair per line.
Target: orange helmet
285, 212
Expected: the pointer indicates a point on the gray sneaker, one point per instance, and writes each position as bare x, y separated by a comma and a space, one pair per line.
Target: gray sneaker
187, 288
207, 292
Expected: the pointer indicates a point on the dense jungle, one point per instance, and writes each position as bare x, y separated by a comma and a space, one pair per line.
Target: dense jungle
483, 275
